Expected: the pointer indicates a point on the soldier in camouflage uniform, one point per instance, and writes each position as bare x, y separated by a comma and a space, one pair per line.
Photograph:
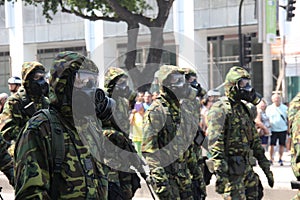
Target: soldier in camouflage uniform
6, 162
294, 129
123, 182
233, 138
168, 125
31, 97
52, 160
195, 162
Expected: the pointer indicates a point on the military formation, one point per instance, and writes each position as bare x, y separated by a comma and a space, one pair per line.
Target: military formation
69, 139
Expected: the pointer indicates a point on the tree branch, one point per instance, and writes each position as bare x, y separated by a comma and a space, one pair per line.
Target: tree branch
92, 17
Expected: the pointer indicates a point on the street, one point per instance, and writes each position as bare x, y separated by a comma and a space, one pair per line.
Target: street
281, 191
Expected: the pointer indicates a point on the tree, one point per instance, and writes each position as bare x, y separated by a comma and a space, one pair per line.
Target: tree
129, 11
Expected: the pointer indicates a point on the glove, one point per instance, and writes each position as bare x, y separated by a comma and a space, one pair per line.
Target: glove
221, 183
270, 178
10, 175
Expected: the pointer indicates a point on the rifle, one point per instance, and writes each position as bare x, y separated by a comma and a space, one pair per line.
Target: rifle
139, 165
295, 185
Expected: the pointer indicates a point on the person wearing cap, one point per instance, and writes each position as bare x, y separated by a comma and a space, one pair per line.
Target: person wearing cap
30, 97
234, 141
14, 83
168, 124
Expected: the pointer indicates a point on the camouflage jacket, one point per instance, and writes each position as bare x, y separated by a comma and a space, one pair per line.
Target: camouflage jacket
167, 135
6, 161
294, 126
18, 109
232, 132
80, 175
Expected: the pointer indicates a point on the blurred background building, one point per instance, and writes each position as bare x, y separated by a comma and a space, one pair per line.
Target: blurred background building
203, 34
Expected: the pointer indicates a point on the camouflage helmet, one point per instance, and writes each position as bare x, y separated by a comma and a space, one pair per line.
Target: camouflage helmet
112, 75
29, 67
188, 71
64, 67
233, 76
166, 70
73, 61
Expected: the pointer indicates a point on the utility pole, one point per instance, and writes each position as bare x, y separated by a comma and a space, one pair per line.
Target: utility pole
240, 35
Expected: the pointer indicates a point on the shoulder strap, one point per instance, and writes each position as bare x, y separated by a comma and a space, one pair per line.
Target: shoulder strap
58, 148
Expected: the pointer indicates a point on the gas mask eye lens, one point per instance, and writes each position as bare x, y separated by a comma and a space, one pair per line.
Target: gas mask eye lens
122, 82
85, 80
192, 79
244, 83
176, 79
38, 76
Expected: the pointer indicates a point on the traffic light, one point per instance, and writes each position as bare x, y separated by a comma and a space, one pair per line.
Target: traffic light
289, 10
246, 49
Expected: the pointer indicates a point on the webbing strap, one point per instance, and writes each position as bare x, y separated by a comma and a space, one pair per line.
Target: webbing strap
58, 149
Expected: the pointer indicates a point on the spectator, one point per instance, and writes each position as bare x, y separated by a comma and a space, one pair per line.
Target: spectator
262, 123
147, 100
277, 113
213, 95
136, 121
14, 83
3, 98
206, 104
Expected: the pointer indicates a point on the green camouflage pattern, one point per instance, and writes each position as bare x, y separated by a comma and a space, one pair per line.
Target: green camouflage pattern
33, 160
112, 75
121, 178
294, 128
232, 133
166, 70
195, 159
232, 77
20, 106
189, 71
6, 161
117, 132
193, 72
81, 176
29, 67
64, 67
163, 121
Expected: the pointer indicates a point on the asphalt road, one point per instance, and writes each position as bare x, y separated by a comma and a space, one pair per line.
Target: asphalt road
281, 191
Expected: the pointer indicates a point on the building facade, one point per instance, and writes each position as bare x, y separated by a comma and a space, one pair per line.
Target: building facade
202, 34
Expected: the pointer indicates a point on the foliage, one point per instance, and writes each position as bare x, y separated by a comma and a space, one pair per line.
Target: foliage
88, 9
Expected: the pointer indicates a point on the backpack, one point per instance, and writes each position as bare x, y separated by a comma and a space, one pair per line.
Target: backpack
58, 148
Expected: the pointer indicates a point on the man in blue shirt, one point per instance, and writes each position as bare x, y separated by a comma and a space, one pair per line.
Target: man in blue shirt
277, 113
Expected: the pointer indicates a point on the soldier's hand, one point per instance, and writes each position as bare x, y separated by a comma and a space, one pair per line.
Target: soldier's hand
270, 178
221, 183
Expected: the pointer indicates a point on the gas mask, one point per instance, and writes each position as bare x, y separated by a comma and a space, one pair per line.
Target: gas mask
121, 88
247, 92
197, 86
88, 99
38, 85
176, 83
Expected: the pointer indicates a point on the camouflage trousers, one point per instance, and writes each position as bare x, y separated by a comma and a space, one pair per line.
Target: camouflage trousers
244, 187
181, 186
